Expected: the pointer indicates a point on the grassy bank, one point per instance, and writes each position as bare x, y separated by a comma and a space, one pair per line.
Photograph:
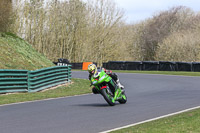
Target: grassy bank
19, 54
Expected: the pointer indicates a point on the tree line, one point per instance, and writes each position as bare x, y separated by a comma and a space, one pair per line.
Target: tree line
96, 31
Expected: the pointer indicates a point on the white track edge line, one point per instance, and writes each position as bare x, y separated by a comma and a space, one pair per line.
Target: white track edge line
43, 100
164, 116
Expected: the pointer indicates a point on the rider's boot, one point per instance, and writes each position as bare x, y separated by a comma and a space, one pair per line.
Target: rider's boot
120, 85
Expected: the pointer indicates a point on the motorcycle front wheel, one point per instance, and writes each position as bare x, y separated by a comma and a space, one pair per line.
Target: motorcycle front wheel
108, 97
123, 99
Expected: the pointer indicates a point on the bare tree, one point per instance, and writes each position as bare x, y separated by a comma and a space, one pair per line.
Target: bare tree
158, 28
5, 15
104, 18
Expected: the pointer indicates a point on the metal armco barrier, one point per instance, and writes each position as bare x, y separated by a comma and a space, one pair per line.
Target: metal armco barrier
13, 81
33, 81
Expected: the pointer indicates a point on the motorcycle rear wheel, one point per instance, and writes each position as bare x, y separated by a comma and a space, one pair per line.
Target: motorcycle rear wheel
107, 97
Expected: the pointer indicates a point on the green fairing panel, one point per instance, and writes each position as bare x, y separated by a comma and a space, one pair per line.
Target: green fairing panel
102, 77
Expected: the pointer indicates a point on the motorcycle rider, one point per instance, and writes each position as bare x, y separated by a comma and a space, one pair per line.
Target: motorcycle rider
92, 69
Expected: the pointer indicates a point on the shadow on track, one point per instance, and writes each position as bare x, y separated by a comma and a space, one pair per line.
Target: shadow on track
94, 105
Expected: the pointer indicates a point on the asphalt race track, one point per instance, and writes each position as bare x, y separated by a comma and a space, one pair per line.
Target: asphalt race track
149, 96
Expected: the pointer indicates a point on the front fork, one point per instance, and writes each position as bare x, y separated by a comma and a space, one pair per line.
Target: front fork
118, 94
118, 91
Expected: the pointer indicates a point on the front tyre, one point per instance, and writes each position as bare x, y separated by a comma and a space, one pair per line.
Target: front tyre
109, 99
123, 99
95, 91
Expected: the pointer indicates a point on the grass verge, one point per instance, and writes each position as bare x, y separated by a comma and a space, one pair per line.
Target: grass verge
161, 72
180, 73
187, 122
77, 87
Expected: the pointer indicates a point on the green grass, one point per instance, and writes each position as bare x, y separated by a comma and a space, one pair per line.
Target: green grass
77, 87
155, 72
161, 72
188, 122
19, 54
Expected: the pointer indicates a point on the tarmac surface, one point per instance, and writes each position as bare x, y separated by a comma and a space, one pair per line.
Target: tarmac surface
149, 96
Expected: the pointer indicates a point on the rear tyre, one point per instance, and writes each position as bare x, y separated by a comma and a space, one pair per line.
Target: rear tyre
108, 97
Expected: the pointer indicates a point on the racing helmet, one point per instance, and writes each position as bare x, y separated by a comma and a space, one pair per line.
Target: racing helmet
92, 69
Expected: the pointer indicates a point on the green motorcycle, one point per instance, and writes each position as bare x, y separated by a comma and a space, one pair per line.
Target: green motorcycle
103, 84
